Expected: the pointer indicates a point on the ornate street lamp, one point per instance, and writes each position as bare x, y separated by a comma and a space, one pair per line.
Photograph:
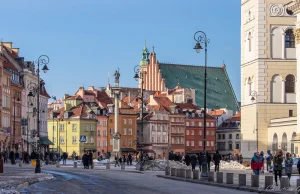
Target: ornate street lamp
139, 74
253, 99
34, 91
200, 37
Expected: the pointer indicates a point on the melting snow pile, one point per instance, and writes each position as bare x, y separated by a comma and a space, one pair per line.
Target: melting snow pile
8, 191
160, 165
231, 165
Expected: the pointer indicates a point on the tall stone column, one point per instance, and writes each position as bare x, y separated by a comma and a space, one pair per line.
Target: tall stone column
116, 135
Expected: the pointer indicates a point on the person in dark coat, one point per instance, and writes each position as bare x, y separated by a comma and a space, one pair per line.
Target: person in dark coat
278, 159
187, 159
217, 158
11, 156
208, 159
130, 159
193, 161
65, 156
90, 159
200, 160
85, 161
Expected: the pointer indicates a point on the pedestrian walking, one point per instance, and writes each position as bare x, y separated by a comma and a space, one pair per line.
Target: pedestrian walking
187, 159
278, 159
269, 158
193, 161
217, 158
130, 159
117, 160
208, 159
5, 156
90, 159
65, 156
256, 163
200, 160
288, 165
85, 161
263, 162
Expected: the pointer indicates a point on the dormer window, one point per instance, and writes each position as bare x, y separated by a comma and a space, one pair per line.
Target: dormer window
104, 112
66, 115
193, 115
90, 114
187, 114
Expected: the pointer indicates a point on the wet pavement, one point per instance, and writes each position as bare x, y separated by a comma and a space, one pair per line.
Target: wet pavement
75, 181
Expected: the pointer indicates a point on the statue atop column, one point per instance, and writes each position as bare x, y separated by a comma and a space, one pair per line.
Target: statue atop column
117, 77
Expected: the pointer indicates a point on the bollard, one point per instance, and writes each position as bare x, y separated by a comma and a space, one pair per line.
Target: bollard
196, 174
178, 172
188, 173
20, 164
57, 164
229, 178
182, 173
173, 171
1, 165
75, 164
268, 181
242, 179
167, 171
123, 166
219, 177
298, 186
254, 180
93, 165
284, 182
211, 176
107, 165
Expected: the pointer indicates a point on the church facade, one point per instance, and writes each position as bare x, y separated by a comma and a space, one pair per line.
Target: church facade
165, 77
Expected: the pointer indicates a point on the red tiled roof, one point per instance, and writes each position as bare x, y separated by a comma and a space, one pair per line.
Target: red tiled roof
104, 99
76, 97
217, 113
45, 93
164, 102
236, 117
89, 92
188, 106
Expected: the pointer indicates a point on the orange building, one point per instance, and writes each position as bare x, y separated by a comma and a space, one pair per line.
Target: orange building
128, 126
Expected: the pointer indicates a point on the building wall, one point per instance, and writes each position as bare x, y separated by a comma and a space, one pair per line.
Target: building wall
234, 141
261, 22
177, 133
6, 109
102, 131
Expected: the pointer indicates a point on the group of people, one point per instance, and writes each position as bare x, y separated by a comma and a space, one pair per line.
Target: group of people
258, 161
119, 160
87, 160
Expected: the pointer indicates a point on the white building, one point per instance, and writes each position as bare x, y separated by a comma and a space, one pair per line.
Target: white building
268, 70
221, 115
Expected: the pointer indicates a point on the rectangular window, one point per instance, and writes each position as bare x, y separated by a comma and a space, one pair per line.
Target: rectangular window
207, 143
110, 120
74, 127
212, 143
130, 121
92, 127
86, 127
187, 123
104, 123
223, 136
200, 132
207, 124
130, 142
237, 136
212, 124
237, 146
61, 127
230, 146
124, 121
212, 133
124, 131
62, 140
99, 143
74, 139
104, 133
172, 119
290, 113
207, 133
99, 133
129, 131
192, 143
111, 142
187, 143
219, 136
99, 123
230, 136
192, 123
192, 132
152, 139
200, 143
158, 140
173, 140
54, 140
104, 143
187, 132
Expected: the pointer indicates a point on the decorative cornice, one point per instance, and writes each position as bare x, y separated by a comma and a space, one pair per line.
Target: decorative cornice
280, 10
293, 6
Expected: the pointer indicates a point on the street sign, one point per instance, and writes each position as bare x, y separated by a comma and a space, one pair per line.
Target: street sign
82, 138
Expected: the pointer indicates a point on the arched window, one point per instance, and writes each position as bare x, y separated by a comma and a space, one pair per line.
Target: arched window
275, 143
249, 41
276, 89
284, 142
292, 143
290, 84
289, 39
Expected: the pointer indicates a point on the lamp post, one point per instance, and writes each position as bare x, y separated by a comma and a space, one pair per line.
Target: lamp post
200, 37
34, 91
16, 98
139, 74
254, 98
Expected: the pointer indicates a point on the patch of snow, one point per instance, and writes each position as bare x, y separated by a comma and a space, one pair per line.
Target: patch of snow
231, 165
8, 191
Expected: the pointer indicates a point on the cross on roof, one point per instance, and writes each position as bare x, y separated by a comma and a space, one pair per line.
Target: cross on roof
153, 47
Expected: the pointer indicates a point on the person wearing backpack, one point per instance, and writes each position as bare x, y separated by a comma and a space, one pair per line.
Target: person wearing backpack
269, 159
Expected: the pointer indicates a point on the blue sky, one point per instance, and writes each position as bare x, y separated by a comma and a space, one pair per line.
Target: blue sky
86, 39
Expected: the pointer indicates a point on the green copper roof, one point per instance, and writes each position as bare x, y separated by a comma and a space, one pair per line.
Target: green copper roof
145, 56
220, 93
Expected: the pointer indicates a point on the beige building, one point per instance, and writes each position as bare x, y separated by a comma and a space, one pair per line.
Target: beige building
268, 70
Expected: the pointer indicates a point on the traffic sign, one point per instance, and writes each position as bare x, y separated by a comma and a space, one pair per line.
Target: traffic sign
82, 138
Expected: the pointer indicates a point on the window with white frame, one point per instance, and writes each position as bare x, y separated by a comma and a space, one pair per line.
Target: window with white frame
124, 131
172, 119
187, 143
104, 123
187, 132
129, 131
62, 127
158, 140
192, 143
212, 143
104, 133
173, 140
200, 132
187, 123
192, 123
200, 143
74, 139
192, 132
99, 133
152, 139
99, 143
207, 143
130, 121
92, 127
207, 124
74, 127
212, 124
86, 127
124, 121
104, 143
87, 139
129, 142
92, 139
207, 133
62, 140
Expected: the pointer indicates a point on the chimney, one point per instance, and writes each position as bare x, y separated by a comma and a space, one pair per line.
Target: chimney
66, 96
16, 50
8, 45
129, 97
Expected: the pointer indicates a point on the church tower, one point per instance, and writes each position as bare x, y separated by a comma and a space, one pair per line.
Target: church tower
268, 71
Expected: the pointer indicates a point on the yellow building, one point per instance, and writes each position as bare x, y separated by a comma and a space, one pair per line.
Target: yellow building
72, 128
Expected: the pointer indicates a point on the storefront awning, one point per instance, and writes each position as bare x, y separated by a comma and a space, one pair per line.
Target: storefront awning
45, 141
30, 140
90, 149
